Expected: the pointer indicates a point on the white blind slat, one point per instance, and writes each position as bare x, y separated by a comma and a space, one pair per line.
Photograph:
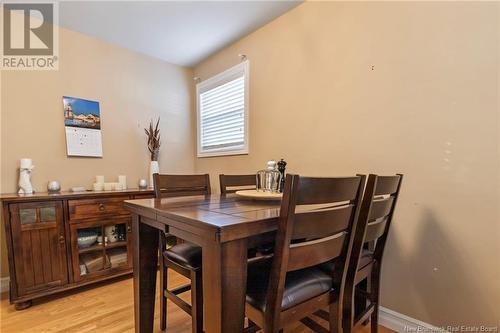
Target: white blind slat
223, 108
235, 90
226, 117
236, 135
222, 89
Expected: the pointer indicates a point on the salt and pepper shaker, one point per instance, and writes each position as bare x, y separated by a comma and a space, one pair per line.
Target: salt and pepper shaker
281, 169
268, 180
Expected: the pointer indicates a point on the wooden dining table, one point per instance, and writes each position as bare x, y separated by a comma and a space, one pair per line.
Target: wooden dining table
225, 226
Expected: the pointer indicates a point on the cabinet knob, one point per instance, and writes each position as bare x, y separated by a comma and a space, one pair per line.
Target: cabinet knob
101, 206
61, 239
129, 229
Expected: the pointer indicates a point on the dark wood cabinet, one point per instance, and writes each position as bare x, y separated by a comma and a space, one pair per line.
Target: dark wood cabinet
58, 242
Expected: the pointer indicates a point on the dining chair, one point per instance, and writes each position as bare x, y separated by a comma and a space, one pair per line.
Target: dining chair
233, 183
362, 289
184, 258
319, 214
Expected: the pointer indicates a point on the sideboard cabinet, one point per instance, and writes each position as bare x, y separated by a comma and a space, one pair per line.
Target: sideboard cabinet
62, 241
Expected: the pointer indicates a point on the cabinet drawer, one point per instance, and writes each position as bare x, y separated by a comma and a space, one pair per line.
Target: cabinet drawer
96, 208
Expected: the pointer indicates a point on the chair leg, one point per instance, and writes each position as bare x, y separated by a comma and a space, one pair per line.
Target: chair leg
374, 319
370, 290
197, 301
251, 327
163, 287
348, 313
163, 303
334, 317
374, 297
267, 329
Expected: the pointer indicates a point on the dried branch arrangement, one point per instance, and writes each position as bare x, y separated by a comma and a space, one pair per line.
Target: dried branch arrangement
153, 134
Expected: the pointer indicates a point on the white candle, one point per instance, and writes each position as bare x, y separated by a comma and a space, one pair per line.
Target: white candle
98, 186
99, 179
123, 181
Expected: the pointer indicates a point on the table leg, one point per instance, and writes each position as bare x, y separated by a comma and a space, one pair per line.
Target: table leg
145, 267
224, 286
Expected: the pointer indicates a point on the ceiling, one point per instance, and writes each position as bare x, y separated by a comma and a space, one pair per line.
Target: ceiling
179, 32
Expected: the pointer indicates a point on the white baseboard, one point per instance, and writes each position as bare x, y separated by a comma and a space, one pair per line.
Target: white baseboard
4, 284
400, 323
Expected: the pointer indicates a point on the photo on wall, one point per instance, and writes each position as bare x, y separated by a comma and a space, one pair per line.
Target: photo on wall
82, 121
81, 113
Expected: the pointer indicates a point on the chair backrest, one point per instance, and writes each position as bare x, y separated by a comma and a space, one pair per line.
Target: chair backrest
315, 226
377, 209
180, 185
233, 183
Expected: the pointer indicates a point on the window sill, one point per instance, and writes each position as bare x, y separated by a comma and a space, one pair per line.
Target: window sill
222, 153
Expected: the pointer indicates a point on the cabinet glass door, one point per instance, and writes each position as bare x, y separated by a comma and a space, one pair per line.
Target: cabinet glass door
90, 250
117, 244
101, 247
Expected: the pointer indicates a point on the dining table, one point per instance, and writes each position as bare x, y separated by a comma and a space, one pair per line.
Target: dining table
225, 227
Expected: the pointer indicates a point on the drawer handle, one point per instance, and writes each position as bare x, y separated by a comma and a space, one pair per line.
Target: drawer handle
101, 206
61, 239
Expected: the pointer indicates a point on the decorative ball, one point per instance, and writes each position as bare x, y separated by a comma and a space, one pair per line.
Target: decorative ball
143, 184
53, 186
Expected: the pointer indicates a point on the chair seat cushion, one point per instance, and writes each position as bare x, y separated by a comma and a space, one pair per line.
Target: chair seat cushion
185, 254
300, 285
365, 259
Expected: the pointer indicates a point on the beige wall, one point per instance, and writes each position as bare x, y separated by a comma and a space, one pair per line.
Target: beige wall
429, 109
131, 88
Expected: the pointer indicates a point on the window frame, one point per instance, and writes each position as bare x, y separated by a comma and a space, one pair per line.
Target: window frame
211, 83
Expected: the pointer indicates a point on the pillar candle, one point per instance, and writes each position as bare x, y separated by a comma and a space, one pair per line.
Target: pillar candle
123, 182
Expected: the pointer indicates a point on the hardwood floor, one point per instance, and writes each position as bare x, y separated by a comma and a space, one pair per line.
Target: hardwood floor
106, 308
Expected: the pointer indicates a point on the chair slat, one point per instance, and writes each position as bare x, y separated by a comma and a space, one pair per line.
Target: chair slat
229, 182
181, 185
375, 229
316, 224
380, 208
182, 181
387, 184
326, 190
315, 252
180, 192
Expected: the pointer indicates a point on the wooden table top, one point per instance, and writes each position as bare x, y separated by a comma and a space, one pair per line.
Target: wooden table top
230, 216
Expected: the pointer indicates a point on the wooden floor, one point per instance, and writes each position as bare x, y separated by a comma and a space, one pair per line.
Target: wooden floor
107, 308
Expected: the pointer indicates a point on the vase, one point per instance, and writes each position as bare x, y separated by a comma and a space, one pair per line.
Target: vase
25, 186
154, 167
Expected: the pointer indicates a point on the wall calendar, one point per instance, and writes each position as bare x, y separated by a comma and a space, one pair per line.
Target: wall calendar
82, 121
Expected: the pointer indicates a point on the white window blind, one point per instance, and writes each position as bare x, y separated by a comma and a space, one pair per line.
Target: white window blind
223, 113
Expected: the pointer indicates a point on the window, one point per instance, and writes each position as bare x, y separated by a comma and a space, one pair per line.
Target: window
223, 113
